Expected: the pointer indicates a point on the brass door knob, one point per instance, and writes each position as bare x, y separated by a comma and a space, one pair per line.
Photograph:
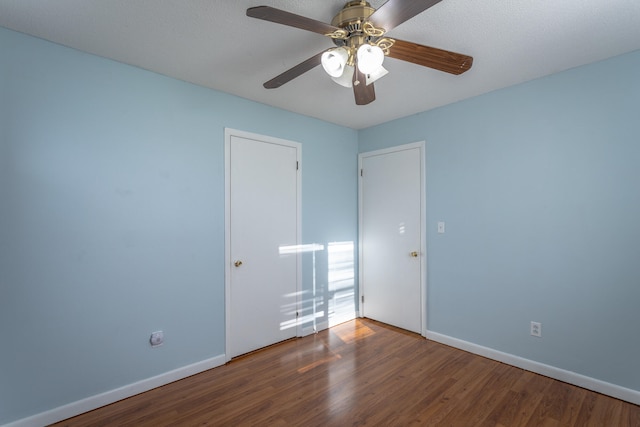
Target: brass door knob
237, 263
414, 254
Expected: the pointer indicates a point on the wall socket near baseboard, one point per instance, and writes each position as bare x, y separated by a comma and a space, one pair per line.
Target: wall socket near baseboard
536, 329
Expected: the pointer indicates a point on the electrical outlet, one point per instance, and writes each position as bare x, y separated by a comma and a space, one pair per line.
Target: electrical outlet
536, 329
156, 339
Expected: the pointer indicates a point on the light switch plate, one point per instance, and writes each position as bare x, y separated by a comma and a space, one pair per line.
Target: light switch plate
440, 227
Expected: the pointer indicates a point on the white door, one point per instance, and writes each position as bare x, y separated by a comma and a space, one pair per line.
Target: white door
392, 250
262, 218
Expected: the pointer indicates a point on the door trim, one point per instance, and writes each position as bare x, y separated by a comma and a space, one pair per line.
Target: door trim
228, 133
421, 145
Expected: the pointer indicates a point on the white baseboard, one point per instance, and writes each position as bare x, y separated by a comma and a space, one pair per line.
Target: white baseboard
106, 398
579, 380
97, 401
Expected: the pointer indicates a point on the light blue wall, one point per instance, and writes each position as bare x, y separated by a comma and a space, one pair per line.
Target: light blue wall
112, 218
539, 186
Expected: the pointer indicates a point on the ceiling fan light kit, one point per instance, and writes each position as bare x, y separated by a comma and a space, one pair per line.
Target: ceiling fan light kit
339, 61
358, 31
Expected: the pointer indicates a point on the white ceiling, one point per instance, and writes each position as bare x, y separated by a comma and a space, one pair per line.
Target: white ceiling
214, 44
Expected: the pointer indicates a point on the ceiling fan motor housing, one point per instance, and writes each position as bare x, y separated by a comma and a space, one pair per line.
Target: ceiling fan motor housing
352, 16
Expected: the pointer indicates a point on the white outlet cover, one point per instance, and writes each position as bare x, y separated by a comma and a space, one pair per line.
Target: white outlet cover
536, 329
156, 339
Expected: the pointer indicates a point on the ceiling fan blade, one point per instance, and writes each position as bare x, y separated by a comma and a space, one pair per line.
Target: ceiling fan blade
294, 72
278, 16
443, 60
364, 94
395, 12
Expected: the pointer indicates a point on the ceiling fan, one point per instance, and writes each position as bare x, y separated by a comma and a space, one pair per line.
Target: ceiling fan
359, 33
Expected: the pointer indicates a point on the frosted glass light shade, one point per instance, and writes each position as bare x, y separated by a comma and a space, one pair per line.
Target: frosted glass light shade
375, 75
370, 58
334, 61
346, 79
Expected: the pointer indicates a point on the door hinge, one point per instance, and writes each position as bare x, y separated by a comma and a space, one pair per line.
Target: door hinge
297, 166
361, 173
362, 299
297, 314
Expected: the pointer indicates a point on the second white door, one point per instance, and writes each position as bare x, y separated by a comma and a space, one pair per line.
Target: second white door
391, 236
262, 236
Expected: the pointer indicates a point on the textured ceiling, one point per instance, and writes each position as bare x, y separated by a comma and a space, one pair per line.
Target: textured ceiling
214, 44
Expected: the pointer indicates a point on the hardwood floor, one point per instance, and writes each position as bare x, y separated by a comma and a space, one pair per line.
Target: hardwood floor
364, 373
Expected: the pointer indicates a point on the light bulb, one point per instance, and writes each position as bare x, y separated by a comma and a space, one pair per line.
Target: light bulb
370, 58
334, 60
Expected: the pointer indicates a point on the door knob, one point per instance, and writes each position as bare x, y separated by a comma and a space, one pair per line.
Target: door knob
237, 263
414, 254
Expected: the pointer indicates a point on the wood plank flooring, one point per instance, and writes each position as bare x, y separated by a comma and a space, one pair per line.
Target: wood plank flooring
364, 373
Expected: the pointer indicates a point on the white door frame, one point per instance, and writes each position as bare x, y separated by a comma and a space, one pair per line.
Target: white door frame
423, 223
228, 133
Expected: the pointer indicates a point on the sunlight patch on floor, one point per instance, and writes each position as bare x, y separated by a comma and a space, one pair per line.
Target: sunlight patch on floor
352, 331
